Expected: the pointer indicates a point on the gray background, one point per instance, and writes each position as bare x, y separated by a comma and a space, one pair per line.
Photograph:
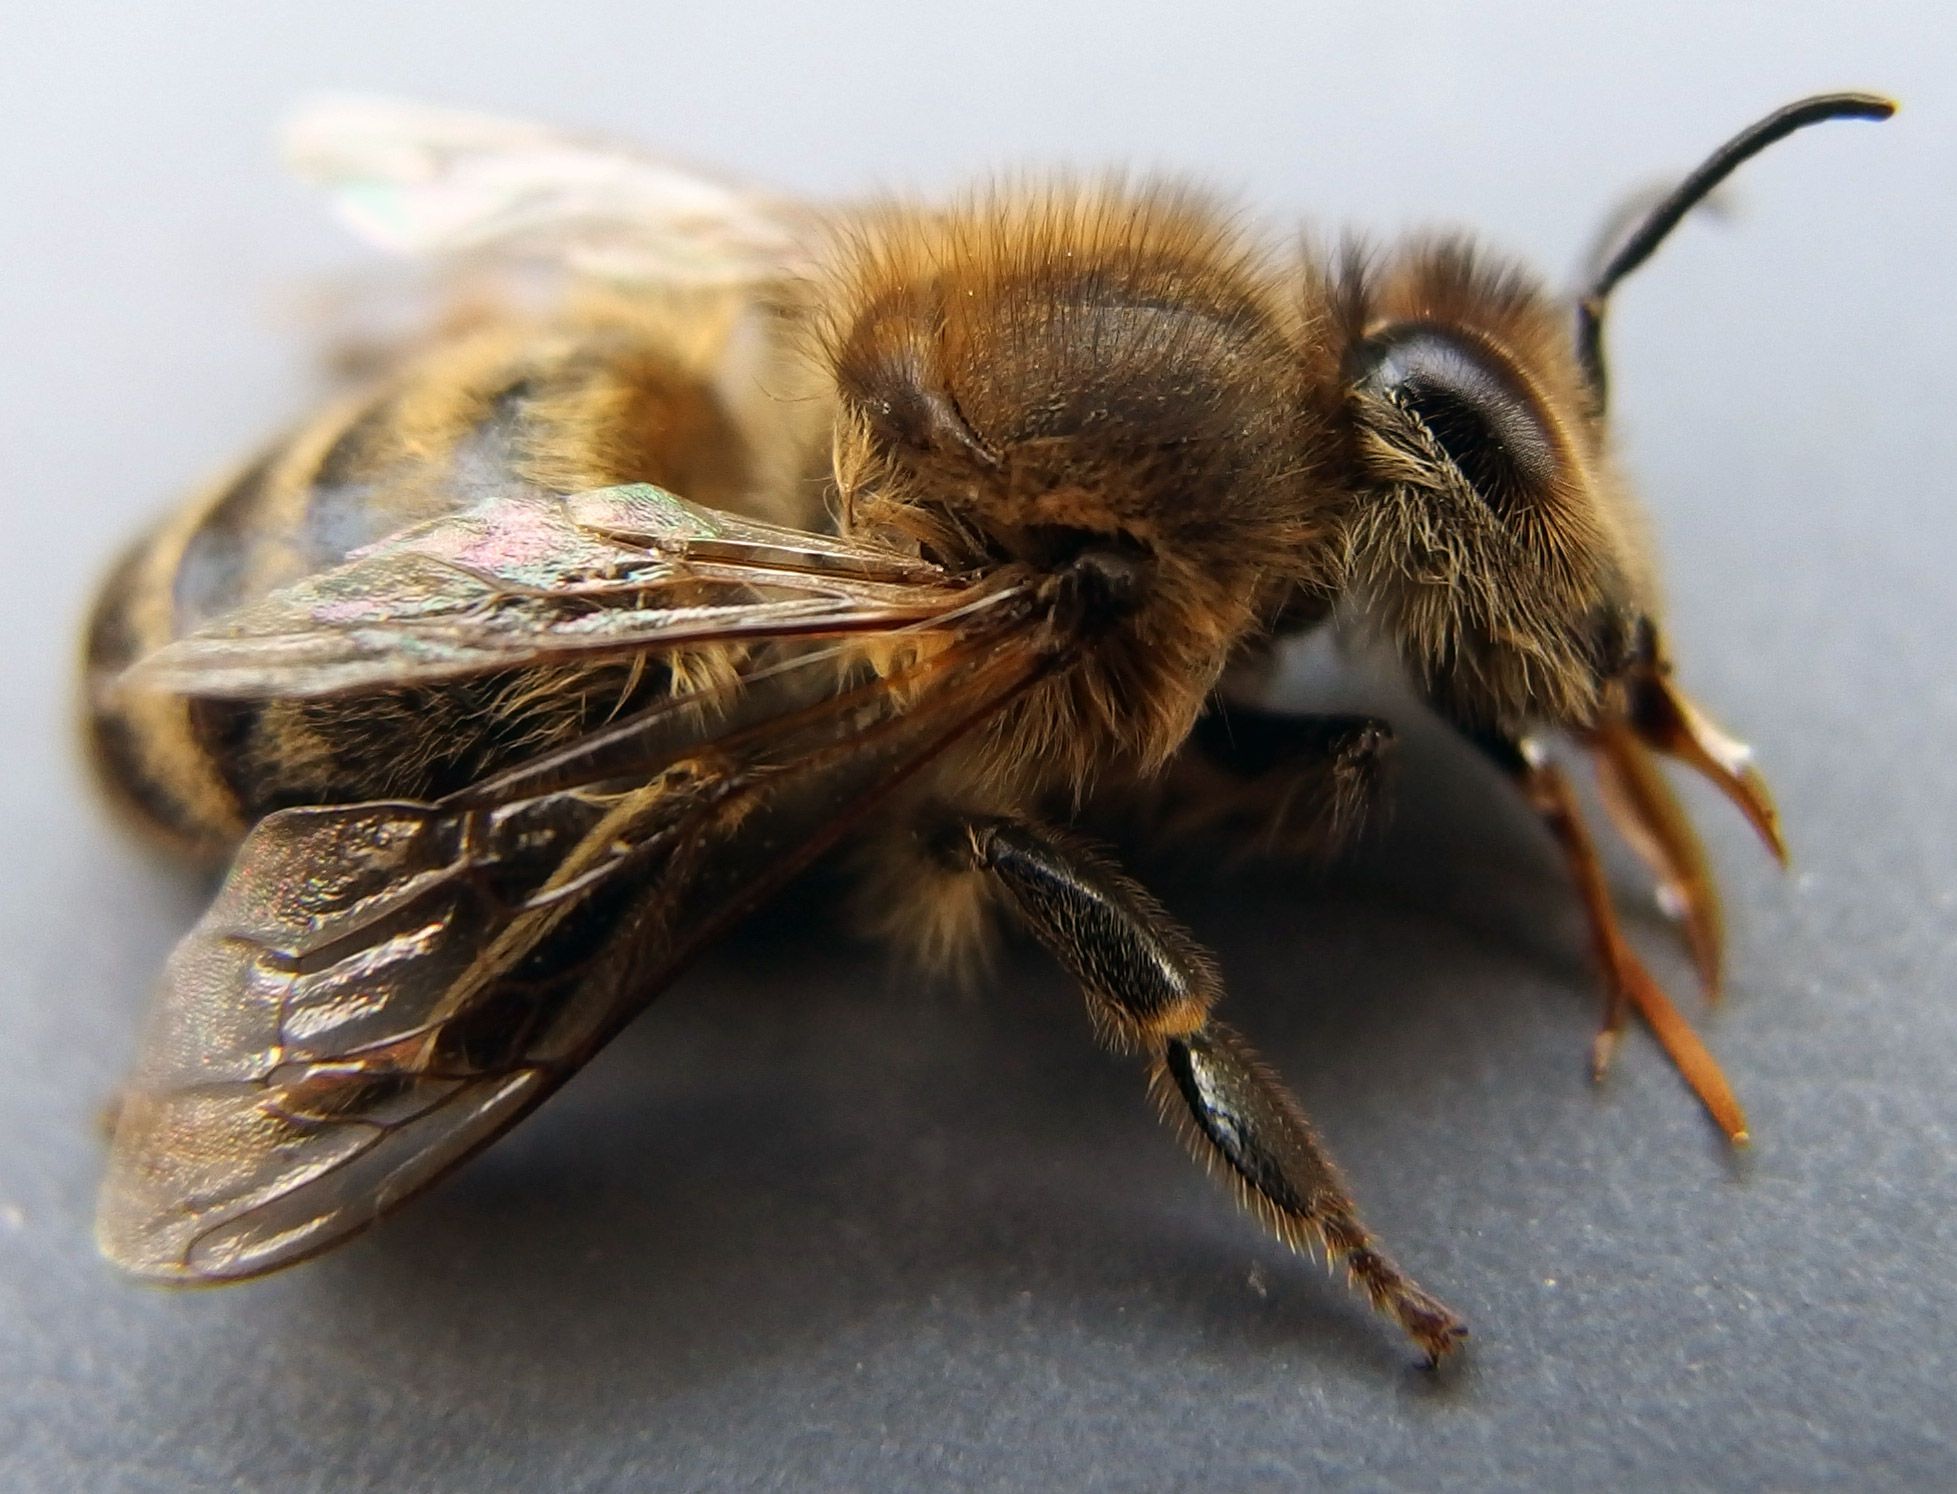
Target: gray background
807, 1225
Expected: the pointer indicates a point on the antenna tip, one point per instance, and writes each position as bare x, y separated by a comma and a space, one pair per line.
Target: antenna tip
1858, 105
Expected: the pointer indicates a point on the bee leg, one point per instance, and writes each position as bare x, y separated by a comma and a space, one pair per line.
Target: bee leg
1285, 785
1628, 985
1660, 718
1651, 820
1150, 988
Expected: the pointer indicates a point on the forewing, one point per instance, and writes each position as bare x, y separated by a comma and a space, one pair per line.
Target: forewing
380, 989
528, 577
457, 186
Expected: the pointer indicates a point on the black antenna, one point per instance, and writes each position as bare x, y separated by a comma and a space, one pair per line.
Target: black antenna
1664, 217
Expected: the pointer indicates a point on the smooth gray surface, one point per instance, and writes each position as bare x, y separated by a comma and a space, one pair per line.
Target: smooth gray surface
809, 1227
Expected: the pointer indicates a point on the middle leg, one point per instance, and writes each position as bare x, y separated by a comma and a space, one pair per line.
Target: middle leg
1254, 781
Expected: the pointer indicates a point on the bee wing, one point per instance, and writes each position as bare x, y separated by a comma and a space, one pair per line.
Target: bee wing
529, 578
453, 185
380, 989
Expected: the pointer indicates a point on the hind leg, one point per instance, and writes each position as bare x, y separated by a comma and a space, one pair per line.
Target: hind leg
1150, 989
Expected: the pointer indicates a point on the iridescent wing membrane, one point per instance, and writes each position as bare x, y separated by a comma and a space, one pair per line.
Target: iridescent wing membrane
379, 989
530, 577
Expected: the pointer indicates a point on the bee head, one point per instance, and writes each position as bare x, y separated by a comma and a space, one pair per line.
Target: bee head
1492, 538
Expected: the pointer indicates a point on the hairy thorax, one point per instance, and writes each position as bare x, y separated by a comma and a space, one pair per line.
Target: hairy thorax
1085, 382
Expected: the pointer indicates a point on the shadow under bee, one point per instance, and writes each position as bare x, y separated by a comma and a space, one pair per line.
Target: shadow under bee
794, 1143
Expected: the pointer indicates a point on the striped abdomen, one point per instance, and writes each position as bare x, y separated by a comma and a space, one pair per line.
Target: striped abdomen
618, 395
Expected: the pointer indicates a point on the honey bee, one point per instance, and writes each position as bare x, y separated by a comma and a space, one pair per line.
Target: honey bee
708, 531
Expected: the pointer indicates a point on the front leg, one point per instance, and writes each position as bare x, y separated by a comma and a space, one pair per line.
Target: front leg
1628, 985
1150, 989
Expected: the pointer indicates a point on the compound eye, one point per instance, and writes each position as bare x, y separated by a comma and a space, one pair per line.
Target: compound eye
1471, 403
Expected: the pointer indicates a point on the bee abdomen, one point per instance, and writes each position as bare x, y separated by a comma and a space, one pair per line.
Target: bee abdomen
616, 400
144, 756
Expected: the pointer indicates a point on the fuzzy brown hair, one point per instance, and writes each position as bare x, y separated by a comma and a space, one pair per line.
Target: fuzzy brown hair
1047, 367
1504, 613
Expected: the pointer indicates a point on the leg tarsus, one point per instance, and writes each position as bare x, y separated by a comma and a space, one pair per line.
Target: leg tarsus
1235, 1112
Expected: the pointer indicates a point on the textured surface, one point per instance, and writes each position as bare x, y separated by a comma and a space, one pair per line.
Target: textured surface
807, 1226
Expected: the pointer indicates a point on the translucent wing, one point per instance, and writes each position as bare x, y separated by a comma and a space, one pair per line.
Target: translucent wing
451, 185
380, 989
528, 578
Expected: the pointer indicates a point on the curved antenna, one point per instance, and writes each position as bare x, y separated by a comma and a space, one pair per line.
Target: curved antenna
1664, 216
